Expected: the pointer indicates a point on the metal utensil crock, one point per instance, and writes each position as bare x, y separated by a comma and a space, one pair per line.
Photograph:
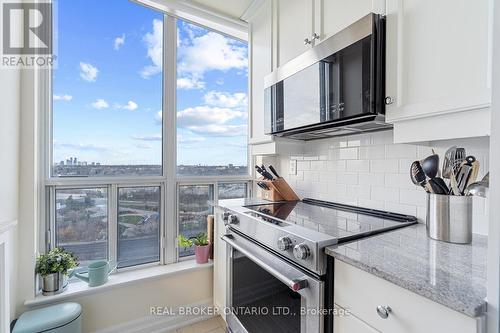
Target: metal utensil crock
449, 218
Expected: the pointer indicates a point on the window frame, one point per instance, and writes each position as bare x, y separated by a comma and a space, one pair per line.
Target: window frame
169, 182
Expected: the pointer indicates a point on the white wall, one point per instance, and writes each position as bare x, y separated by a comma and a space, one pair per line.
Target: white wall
101, 310
371, 171
133, 302
9, 170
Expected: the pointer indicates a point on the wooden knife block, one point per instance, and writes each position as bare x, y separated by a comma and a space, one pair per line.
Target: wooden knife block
279, 190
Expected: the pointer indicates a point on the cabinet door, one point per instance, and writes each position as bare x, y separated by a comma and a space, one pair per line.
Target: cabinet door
438, 57
350, 324
331, 16
260, 26
220, 271
294, 24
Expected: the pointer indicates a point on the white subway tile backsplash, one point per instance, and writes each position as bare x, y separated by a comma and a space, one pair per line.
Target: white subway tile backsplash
347, 178
385, 194
358, 166
413, 197
348, 153
303, 165
399, 180
400, 151
358, 191
372, 152
318, 165
371, 179
384, 166
401, 209
370, 171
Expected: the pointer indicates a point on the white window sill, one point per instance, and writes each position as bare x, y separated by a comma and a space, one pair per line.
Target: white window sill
80, 288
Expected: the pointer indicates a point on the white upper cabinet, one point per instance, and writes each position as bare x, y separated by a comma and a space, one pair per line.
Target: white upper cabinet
294, 28
260, 25
438, 68
331, 16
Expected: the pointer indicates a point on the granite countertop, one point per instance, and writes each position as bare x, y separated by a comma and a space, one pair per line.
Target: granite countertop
450, 274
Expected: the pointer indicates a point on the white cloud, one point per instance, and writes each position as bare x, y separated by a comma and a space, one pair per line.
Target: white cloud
131, 106
205, 115
226, 100
65, 98
153, 137
159, 117
88, 72
119, 41
82, 146
144, 146
186, 140
100, 104
220, 130
154, 44
191, 82
211, 51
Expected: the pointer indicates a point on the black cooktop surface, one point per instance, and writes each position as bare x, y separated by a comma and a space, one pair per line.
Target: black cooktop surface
344, 222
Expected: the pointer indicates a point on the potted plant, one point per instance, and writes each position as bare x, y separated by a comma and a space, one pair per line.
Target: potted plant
55, 268
202, 247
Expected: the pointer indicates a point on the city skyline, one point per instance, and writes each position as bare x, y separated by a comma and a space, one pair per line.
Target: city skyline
107, 90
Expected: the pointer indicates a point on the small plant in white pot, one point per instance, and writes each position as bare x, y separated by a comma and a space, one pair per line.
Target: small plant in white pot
201, 246
55, 268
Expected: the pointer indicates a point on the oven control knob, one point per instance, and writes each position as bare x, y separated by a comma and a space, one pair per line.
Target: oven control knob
284, 243
301, 251
231, 219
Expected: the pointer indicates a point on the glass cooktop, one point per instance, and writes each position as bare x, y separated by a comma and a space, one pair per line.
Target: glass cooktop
337, 220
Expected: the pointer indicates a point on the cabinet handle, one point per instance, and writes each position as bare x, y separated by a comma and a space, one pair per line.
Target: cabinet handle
383, 311
389, 100
307, 41
315, 36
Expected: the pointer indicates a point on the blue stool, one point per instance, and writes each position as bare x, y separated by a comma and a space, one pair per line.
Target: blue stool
59, 318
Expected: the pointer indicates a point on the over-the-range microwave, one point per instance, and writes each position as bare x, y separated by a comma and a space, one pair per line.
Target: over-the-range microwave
335, 88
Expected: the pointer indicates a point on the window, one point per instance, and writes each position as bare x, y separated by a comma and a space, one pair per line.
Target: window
138, 225
194, 209
82, 222
232, 190
211, 103
108, 194
107, 90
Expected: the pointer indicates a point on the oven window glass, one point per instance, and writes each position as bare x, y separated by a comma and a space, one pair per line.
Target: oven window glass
261, 302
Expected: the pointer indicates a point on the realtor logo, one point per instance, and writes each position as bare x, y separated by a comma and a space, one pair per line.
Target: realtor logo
26, 34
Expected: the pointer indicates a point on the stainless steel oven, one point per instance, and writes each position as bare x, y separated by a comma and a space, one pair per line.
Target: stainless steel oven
267, 293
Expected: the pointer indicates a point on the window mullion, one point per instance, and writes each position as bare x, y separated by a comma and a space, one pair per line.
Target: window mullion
170, 135
113, 222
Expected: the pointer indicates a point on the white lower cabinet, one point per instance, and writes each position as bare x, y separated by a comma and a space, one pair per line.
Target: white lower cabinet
351, 324
220, 271
361, 293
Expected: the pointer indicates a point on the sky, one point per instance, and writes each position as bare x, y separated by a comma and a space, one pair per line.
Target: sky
107, 88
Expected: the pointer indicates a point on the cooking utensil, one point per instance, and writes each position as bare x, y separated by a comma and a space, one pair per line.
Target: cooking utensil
441, 184
430, 165
273, 170
453, 184
418, 177
474, 173
480, 188
460, 155
449, 157
462, 177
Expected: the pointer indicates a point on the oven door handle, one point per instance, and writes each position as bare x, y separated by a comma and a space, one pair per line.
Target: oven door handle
294, 284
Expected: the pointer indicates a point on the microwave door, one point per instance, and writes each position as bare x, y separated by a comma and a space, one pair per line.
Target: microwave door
331, 89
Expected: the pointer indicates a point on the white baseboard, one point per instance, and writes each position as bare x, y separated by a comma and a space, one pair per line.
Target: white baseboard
159, 324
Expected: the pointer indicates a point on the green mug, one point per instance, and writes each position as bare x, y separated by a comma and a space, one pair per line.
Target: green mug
98, 272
